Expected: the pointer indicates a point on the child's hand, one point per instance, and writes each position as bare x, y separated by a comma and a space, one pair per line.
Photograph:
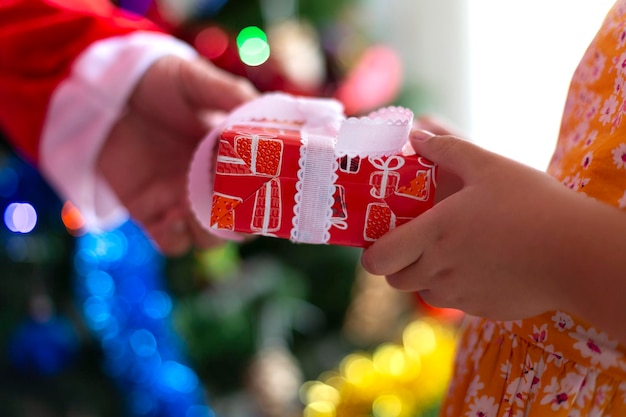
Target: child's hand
146, 157
505, 246
425, 127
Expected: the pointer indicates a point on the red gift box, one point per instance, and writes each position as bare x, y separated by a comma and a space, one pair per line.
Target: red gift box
315, 181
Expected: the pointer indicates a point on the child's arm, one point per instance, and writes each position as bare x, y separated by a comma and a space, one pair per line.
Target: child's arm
512, 243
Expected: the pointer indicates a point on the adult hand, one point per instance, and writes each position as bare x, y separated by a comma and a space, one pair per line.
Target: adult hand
512, 243
147, 154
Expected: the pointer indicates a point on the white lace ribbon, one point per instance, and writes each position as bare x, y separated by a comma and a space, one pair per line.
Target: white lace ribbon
325, 135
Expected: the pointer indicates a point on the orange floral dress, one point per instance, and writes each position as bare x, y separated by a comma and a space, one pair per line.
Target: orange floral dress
556, 364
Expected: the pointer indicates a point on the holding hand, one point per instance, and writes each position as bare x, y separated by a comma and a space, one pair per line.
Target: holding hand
147, 154
511, 243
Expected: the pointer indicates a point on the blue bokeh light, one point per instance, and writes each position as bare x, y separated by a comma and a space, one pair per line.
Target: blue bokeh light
20, 217
100, 284
122, 291
143, 342
97, 312
157, 304
178, 377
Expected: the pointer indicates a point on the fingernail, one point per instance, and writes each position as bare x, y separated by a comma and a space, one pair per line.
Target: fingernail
421, 135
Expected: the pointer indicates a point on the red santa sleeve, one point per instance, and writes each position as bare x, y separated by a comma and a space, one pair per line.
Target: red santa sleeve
67, 68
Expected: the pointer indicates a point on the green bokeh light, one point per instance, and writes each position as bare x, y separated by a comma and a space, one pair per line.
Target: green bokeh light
253, 46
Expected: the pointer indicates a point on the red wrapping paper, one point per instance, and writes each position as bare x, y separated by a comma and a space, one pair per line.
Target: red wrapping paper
257, 186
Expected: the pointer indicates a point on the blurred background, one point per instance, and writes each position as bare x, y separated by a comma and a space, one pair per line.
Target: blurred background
102, 325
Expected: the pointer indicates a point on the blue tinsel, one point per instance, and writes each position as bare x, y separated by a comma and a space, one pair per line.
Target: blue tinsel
120, 288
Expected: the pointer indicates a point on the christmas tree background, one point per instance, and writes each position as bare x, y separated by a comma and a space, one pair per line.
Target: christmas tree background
102, 325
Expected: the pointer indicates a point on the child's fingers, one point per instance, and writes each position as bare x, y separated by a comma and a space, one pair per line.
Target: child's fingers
454, 154
399, 248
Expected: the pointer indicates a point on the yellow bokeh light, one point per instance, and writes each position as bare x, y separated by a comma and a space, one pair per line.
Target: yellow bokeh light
419, 338
389, 359
358, 370
320, 409
387, 406
316, 391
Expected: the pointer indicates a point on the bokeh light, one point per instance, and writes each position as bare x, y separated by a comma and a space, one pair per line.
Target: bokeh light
419, 338
396, 380
100, 284
389, 359
157, 304
178, 377
143, 342
20, 217
121, 289
211, 42
252, 45
320, 409
72, 219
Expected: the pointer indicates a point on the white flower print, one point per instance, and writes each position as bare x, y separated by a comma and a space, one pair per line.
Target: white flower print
474, 388
591, 137
622, 201
540, 368
596, 67
621, 39
518, 389
578, 133
557, 357
559, 394
608, 110
576, 182
562, 321
619, 156
587, 159
593, 107
476, 356
618, 85
586, 389
622, 389
603, 394
508, 325
484, 406
595, 345
488, 330
620, 63
505, 369
540, 334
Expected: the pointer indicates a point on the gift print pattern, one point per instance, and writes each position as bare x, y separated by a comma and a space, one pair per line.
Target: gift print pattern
262, 153
267, 208
339, 209
385, 181
379, 219
229, 162
418, 188
223, 211
350, 164
339, 205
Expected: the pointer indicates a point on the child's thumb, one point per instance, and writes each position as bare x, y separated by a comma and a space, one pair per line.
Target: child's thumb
455, 154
